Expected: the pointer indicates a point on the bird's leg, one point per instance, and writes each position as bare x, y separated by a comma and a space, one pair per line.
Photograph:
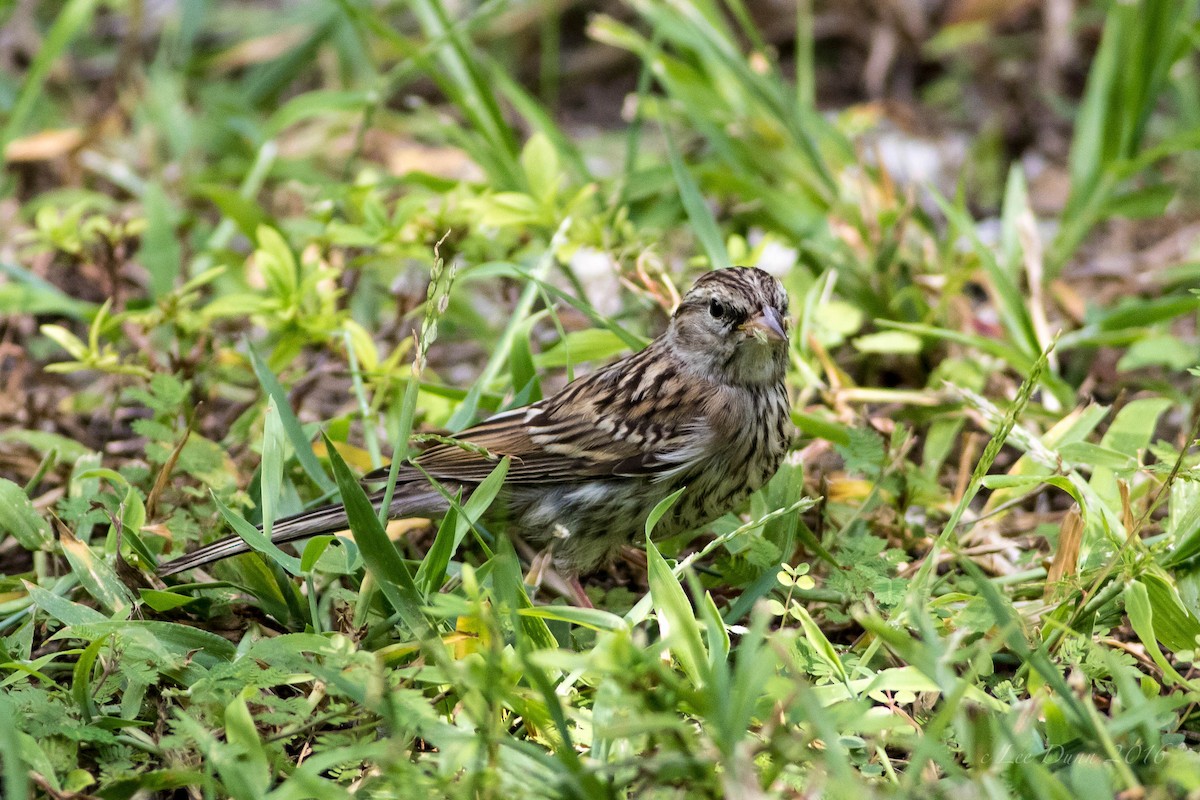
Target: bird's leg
634, 557
542, 572
576, 589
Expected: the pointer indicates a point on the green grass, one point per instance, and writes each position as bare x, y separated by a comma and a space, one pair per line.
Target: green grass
976, 575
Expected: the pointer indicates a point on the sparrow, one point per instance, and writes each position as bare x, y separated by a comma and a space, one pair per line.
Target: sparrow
702, 408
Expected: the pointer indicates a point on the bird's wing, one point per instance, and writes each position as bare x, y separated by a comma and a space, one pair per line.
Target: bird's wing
634, 418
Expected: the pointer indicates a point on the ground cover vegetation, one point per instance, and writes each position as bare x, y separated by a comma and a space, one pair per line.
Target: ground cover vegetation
250, 250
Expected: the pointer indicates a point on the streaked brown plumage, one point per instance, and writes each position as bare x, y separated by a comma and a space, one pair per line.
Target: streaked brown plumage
703, 406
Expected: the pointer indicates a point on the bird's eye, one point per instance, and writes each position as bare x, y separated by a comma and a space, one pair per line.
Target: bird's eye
717, 309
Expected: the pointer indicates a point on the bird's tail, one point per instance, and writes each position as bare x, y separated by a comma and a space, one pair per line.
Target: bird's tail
407, 502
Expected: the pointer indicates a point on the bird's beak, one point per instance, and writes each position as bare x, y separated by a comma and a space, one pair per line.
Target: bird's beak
766, 326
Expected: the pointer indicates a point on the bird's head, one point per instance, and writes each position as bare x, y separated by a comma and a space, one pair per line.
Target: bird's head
732, 327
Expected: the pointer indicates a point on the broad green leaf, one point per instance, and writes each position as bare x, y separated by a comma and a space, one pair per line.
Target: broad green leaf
241, 761
1141, 617
1128, 434
206, 648
820, 643
579, 347
676, 620
164, 601
895, 342
539, 161
1074, 427
46, 442
274, 258
36, 299
1091, 455
314, 548
1134, 424
62, 609
505, 209
1175, 625
19, 518
96, 576
1183, 523
1030, 481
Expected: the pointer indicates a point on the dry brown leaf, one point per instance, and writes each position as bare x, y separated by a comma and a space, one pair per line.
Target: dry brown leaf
1066, 555
43, 145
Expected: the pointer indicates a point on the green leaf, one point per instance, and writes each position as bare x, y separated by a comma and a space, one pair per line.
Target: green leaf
578, 347
1128, 434
1031, 481
205, 648
29, 294
820, 643
1134, 424
701, 219
16, 768
1148, 201
160, 252
1175, 625
274, 258
676, 619
661, 508
507, 209
96, 576
246, 214
71, 18
271, 468
894, 342
241, 761
539, 161
1094, 455
520, 364
594, 618
295, 433
165, 601
1183, 524
382, 559
60, 608
66, 340
256, 539
432, 571
314, 548
1163, 350
1141, 617
317, 103
19, 518
82, 676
